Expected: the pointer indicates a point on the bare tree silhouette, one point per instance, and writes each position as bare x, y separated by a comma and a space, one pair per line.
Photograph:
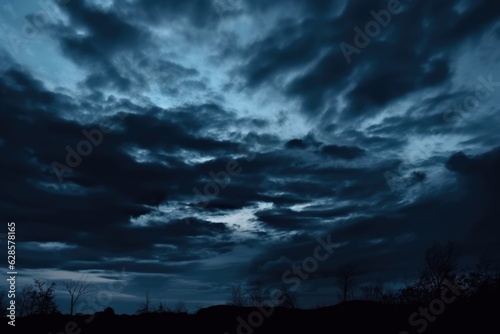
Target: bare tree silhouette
483, 279
37, 299
160, 308
255, 293
179, 307
145, 306
346, 281
237, 297
290, 300
76, 289
374, 292
379, 292
440, 265
23, 301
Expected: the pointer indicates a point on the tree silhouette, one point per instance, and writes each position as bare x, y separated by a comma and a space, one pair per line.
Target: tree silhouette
109, 311
482, 280
145, 306
23, 301
290, 300
255, 293
161, 308
179, 307
346, 281
374, 292
440, 265
237, 297
76, 289
37, 299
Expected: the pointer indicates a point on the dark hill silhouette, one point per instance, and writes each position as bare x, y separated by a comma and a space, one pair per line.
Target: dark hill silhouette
474, 316
441, 301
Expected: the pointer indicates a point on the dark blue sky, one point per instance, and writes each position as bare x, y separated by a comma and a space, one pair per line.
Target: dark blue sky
374, 122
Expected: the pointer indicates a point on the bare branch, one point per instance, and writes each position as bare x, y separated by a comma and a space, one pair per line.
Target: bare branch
346, 281
237, 297
76, 289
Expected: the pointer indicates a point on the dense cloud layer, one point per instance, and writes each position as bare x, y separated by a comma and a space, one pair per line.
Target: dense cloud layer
198, 145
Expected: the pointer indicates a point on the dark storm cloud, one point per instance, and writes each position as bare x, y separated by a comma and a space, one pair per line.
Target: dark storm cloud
372, 141
99, 41
97, 202
198, 13
411, 54
104, 35
481, 184
306, 142
384, 85
280, 176
343, 152
309, 219
300, 178
286, 219
392, 244
107, 31
459, 162
296, 143
334, 151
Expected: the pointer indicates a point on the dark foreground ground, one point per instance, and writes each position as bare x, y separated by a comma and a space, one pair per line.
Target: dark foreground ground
481, 316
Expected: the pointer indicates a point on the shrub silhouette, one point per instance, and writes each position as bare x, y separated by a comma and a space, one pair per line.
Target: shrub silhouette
37, 299
237, 296
179, 307
108, 311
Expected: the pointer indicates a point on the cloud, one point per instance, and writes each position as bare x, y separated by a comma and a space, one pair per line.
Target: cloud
343, 152
187, 91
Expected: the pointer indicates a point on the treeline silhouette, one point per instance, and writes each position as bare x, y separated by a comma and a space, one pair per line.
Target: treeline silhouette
443, 299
